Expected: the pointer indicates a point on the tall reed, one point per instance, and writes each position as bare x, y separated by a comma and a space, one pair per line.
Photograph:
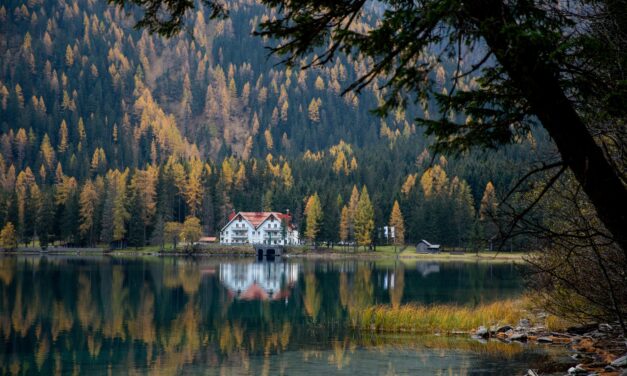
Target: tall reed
438, 318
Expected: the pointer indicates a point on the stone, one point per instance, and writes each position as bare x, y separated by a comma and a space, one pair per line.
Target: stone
597, 334
479, 339
524, 323
518, 337
545, 339
482, 332
577, 370
504, 329
620, 362
605, 328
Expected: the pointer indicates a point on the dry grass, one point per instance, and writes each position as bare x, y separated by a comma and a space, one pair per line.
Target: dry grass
439, 318
557, 324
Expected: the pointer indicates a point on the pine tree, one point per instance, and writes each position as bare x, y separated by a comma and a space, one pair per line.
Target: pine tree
330, 218
463, 210
46, 217
364, 219
396, 221
144, 186
106, 233
487, 213
120, 213
345, 224
136, 228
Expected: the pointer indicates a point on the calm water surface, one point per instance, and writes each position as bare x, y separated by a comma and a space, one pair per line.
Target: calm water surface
168, 316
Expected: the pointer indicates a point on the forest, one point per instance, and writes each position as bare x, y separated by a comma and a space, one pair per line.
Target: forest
112, 135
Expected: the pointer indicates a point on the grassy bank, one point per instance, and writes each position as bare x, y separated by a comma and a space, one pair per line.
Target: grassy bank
406, 254
449, 318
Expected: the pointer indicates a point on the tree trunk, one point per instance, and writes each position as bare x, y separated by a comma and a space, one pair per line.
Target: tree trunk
538, 82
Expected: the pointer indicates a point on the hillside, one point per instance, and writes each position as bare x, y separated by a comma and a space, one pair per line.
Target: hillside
104, 128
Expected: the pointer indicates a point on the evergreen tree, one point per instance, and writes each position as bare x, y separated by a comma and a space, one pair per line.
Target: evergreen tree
136, 227
46, 217
345, 224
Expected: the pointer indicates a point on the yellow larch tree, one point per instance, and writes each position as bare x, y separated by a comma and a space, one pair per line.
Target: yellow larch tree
47, 152
364, 219
345, 224
194, 188
88, 200
63, 137
434, 181
286, 176
396, 221
488, 202
313, 214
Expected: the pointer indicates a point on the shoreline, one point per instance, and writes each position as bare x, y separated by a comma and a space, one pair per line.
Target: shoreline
383, 253
596, 348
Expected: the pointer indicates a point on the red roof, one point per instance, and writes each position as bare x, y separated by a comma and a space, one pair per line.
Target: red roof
257, 218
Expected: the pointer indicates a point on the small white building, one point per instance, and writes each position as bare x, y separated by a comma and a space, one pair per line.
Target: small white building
259, 228
426, 247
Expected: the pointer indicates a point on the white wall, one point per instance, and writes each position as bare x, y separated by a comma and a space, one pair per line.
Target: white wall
242, 232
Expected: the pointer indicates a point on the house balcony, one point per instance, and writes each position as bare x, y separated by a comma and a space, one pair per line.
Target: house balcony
272, 232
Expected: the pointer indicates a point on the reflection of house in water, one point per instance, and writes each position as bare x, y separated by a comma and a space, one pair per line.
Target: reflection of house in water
426, 268
259, 281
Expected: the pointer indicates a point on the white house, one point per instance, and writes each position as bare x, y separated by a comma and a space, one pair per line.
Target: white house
259, 228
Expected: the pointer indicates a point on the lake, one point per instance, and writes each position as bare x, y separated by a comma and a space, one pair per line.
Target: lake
167, 316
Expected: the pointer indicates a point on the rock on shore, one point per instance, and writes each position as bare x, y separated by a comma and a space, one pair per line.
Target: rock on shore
598, 349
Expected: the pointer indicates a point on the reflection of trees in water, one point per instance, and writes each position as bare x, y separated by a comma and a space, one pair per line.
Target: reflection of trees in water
312, 298
167, 315
396, 290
